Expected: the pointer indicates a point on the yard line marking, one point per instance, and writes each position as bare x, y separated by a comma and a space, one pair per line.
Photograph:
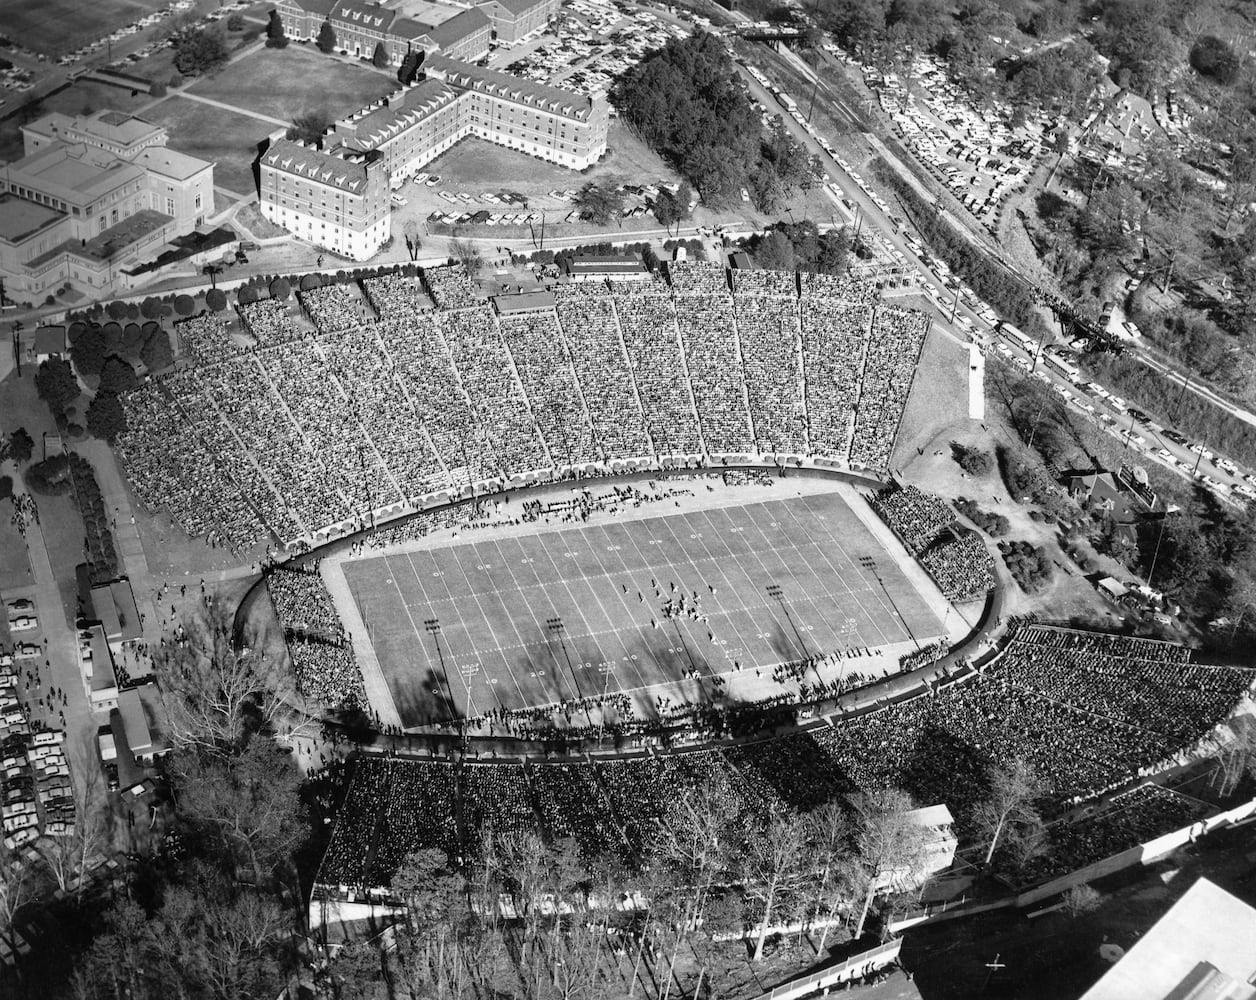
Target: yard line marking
470, 708
541, 586
877, 595
627, 653
523, 701
733, 592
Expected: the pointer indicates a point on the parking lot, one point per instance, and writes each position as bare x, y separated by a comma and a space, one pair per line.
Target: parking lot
597, 41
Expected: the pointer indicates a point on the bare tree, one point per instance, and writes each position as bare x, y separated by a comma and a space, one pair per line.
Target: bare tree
829, 832
248, 800
467, 254
1238, 756
773, 865
20, 884
891, 843
69, 855
413, 243
209, 687
1013, 789
693, 840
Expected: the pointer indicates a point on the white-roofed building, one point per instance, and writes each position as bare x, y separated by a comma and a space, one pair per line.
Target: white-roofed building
1204, 947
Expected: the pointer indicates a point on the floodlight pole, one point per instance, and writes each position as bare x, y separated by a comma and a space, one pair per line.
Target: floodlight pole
432, 627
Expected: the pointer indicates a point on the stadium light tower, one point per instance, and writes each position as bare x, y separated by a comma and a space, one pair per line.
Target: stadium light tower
871, 565
432, 627
777, 594
556, 627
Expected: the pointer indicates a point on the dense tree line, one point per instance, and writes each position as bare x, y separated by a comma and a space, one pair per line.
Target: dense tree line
688, 103
800, 246
1004, 290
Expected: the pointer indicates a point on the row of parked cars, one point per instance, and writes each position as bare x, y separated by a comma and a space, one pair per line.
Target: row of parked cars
35, 791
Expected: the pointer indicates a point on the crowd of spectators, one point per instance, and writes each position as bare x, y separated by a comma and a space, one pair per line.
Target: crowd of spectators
697, 277
757, 282
272, 321
706, 329
1081, 722
915, 516
838, 288
302, 603
451, 287
601, 365
497, 398
770, 342
536, 345
327, 672
354, 401
961, 565
834, 343
648, 324
894, 346
1133, 817
205, 338
333, 308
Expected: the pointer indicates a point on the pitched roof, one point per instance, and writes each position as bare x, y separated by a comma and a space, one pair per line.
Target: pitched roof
170, 162
301, 161
370, 129
458, 27
515, 7
365, 15
506, 87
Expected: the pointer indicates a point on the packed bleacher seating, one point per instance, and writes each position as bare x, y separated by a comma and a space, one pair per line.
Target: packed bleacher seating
302, 603
375, 395
834, 342
1133, 817
697, 277
1082, 735
710, 344
554, 396
333, 308
357, 398
327, 672
451, 287
204, 338
916, 517
648, 324
768, 328
495, 394
838, 288
754, 281
961, 565
272, 322
591, 331
894, 346
397, 296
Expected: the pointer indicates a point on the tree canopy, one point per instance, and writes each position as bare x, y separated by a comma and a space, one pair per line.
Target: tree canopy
687, 101
326, 41
199, 51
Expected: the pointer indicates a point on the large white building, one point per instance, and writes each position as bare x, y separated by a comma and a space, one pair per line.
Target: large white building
332, 199
92, 195
338, 198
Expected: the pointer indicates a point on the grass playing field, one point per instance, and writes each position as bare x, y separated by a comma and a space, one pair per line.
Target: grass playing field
538, 618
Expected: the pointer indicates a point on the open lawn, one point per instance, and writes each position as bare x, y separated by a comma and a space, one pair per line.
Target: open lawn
14, 562
939, 395
277, 83
214, 134
56, 26
499, 603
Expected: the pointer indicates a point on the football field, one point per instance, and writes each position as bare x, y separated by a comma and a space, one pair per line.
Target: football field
539, 618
